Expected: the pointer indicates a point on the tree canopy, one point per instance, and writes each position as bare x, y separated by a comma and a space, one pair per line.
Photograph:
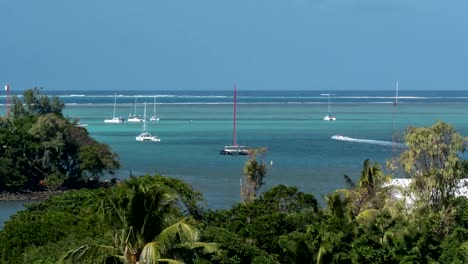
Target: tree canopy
41, 149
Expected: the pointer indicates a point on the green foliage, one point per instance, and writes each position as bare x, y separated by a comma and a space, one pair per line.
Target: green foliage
36, 104
234, 250
54, 181
371, 191
143, 216
189, 198
254, 173
119, 220
47, 223
41, 149
433, 163
455, 247
95, 159
262, 222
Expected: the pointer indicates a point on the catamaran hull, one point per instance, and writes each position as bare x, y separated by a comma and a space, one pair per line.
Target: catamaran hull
114, 121
329, 118
234, 150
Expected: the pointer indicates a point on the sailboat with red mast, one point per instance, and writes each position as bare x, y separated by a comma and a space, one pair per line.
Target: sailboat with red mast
234, 149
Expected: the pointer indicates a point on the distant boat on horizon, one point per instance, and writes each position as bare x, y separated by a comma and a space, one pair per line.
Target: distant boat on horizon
329, 116
154, 117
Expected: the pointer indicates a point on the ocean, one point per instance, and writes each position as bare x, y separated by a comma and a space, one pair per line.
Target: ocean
195, 125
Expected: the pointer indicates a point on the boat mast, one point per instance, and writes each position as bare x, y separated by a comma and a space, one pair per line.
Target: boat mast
234, 139
144, 119
115, 102
154, 106
328, 102
396, 95
395, 102
134, 111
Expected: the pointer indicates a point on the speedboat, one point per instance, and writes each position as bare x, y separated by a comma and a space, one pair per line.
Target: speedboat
329, 118
337, 137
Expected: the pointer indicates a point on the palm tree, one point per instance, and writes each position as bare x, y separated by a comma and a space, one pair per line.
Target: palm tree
145, 224
371, 190
254, 173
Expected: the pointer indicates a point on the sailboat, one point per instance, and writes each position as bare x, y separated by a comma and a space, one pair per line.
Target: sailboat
114, 119
234, 149
154, 117
145, 135
134, 117
328, 117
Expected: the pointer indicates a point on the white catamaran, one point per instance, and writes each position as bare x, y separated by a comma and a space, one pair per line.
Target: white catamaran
145, 135
114, 119
234, 149
134, 117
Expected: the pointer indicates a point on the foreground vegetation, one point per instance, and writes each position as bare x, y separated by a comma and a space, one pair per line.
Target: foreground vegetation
152, 219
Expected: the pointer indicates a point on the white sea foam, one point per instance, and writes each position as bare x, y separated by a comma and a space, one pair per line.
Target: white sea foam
368, 141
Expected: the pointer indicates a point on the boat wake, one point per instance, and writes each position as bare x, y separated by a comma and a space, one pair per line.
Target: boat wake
368, 141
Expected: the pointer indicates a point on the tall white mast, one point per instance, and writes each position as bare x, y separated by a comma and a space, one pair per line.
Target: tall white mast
144, 119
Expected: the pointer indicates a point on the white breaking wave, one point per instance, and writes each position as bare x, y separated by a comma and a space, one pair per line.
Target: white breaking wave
368, 141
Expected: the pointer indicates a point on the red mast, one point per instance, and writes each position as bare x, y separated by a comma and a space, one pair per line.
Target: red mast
234, 140
7, 89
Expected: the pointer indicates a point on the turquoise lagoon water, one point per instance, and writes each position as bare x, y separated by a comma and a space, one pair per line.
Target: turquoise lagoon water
193, 128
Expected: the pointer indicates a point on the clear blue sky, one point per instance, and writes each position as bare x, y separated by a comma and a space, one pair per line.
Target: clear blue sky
212, 44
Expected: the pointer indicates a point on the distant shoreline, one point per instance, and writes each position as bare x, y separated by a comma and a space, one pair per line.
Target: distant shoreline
28, 196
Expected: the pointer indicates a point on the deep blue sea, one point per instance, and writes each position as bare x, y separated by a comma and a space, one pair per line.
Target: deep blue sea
195, 125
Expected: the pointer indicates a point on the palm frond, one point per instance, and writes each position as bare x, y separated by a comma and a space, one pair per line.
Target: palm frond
367, 216
89, 254
180, 231
349, 181
344, 192
150, 253
170, 261
322, 251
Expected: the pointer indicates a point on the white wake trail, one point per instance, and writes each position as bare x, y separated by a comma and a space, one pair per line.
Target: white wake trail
368, 141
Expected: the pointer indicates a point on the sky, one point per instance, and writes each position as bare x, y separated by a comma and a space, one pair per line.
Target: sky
214, 44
